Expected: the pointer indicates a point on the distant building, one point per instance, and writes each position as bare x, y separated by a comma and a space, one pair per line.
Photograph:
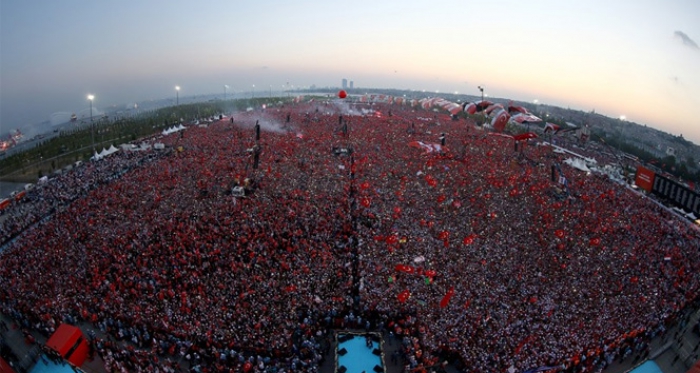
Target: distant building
671, 151
651, 149
345, 84
352, 84
584, 133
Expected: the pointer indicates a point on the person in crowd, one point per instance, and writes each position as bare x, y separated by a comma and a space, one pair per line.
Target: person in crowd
468, 254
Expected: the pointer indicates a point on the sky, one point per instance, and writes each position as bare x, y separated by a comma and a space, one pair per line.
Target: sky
637, 58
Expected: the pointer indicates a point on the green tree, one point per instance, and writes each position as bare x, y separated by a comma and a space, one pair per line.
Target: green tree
669, 161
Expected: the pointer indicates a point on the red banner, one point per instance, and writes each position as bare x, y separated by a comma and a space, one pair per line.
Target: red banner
645, 178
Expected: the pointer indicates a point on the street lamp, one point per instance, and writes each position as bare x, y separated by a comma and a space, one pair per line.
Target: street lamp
177, 95
92, 124
482, 102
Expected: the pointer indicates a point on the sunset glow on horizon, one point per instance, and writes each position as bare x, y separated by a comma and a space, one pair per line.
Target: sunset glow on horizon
639, 58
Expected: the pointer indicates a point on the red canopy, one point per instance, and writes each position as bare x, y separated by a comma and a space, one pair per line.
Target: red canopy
695, 368
5, 367
68, 341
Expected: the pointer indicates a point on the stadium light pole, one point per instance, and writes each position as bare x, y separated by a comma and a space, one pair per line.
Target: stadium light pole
482, 102
92, 124
177, 95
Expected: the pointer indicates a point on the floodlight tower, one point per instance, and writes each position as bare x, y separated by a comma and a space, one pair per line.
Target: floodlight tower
482, 102
92, 124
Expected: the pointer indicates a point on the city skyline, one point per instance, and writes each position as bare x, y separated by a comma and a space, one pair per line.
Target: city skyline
633, 59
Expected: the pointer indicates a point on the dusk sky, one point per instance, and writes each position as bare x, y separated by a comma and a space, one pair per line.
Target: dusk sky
636, 58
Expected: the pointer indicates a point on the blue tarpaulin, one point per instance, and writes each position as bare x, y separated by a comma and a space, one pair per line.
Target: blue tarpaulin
648, 367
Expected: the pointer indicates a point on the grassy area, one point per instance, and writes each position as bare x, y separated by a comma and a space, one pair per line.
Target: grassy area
76, 144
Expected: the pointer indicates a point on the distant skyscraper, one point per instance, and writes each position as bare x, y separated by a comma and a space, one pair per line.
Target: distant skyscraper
345, 83
352, 84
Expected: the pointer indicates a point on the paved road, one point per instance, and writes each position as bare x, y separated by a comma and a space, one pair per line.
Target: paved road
675, 352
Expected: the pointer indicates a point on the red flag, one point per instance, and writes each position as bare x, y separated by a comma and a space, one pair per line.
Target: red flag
404, 295
404, 268
469, 239
550, 127
525, 136
446, 299
365, 202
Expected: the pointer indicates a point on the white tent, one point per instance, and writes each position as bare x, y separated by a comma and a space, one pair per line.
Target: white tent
173, 129
105, 152
577, 163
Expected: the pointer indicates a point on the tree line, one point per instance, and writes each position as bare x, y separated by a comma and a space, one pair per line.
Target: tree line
76, 143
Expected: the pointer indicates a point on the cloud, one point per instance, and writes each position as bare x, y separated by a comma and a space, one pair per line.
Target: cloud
687, 41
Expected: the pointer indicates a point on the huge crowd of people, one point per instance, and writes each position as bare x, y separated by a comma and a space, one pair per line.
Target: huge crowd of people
64, 188
473, 252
